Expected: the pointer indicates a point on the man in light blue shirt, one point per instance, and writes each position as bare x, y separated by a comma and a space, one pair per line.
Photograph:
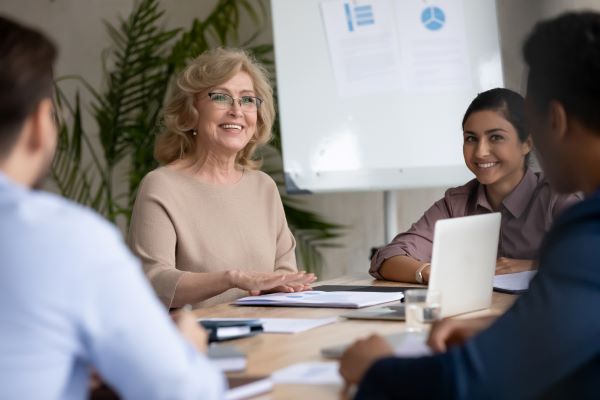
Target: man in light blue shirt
72, 297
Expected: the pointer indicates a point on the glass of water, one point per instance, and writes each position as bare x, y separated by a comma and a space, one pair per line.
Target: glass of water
422, 308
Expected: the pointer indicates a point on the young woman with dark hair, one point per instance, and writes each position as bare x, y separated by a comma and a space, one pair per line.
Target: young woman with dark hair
546, 345
496, 148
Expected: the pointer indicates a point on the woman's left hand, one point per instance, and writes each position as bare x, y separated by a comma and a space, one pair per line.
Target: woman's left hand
299, 285
511, 265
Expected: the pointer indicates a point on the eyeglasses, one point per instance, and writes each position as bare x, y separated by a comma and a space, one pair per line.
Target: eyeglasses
225, 101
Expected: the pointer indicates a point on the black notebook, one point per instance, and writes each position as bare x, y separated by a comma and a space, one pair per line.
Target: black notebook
220, 330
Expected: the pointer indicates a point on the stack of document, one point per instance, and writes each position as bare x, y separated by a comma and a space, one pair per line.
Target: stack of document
310, 373
316, 298
513, 283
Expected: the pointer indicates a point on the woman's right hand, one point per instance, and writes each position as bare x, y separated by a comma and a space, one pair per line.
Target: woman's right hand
257, 282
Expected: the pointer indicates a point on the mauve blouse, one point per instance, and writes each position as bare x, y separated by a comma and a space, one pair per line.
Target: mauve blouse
527, 214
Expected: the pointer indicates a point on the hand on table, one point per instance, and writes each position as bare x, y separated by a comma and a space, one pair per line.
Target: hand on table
191, 329
359, 357
261, 283
299, 285
451, 332
511, 265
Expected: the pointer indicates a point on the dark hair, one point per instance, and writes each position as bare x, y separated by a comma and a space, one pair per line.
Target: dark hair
510, 104
563, 55
26, 59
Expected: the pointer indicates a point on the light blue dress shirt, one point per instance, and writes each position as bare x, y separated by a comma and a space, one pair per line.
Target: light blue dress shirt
72, 297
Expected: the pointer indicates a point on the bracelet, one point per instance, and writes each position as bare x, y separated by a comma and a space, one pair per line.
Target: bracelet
419, 272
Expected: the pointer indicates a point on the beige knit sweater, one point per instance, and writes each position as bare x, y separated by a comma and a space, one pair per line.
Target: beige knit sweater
180, 224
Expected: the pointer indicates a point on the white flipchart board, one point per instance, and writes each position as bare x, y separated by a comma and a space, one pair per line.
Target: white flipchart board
372, 93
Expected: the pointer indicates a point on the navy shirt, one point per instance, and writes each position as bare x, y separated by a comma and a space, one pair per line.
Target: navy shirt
546, 346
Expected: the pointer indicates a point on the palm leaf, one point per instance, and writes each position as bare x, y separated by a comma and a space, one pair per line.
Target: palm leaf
70, 178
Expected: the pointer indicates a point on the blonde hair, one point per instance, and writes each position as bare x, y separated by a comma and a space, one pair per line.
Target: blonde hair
180, 117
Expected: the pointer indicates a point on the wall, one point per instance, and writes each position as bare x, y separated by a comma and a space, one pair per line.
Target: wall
77, 27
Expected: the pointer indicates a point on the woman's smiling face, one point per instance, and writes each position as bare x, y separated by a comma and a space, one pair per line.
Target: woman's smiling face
492, 148
227, 130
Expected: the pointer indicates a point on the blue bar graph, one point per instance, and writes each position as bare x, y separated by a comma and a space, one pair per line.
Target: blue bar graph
348, 17
363, 15
358, 15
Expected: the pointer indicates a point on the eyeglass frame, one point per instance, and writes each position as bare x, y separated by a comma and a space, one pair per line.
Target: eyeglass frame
258, 101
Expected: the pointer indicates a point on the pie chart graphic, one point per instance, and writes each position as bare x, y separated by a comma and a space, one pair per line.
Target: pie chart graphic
433, 18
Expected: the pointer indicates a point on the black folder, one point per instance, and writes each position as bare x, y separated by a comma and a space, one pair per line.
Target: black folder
221, 330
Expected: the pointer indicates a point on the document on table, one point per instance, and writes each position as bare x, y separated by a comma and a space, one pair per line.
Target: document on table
414, 344
284, 325
309, 373
314, 298
513, 283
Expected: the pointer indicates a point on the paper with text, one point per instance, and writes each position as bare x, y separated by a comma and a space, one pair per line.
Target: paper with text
363, 46
309, 373
315, 298
434, 53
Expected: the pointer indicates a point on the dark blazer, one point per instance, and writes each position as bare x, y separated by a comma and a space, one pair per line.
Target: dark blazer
547, 345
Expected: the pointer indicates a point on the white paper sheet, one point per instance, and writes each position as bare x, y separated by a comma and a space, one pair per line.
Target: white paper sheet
514, 282
383, 45
434, 53
309, 373
363, 45
413, 345
285, 325
315, 298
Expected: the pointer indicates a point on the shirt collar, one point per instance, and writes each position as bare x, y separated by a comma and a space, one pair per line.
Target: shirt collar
482, 200
4, 179
516, 202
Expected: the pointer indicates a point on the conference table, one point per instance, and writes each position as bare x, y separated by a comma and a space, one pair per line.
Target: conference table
267, 353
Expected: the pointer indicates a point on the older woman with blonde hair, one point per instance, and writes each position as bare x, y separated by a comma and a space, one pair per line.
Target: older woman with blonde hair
207, 224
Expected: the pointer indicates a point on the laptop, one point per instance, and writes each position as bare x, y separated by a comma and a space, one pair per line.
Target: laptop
463, 264
394, 312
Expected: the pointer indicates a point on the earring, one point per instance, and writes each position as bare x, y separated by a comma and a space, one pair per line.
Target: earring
194, 132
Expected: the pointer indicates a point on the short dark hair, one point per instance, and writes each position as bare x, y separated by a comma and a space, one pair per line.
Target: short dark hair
563, 55
26, 60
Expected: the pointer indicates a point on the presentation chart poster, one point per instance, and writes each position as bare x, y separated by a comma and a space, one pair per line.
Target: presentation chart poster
389, 45
363, 45
373, 96
432, 37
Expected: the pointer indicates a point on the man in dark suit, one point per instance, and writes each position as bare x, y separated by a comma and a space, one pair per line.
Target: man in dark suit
548, 344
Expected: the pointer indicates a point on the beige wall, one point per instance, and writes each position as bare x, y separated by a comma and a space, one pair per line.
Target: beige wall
76, 26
